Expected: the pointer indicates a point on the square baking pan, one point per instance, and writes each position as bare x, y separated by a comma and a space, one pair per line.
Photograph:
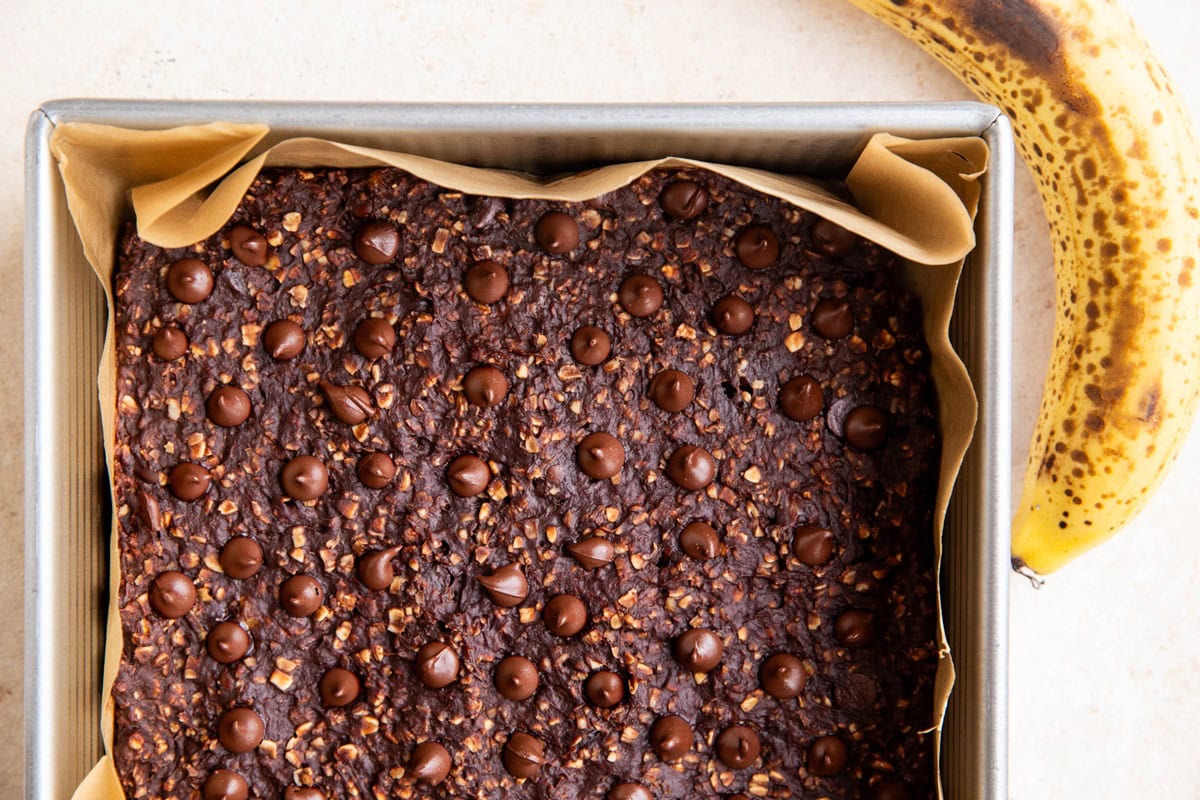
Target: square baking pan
66, 495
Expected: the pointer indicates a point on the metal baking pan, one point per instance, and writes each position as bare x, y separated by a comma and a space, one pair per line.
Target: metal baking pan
66, 503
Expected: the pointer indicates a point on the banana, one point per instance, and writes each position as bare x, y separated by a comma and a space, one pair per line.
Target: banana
1116, 161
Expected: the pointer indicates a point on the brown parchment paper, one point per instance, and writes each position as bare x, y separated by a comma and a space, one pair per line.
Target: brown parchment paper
916, 198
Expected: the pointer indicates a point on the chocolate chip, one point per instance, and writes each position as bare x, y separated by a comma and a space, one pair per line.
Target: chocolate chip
699, 650
429, 763
738, 746
683, 200
240, 730
437, 665
640, 295
855, 628
691, 467
339, 687
801, 398
671, 737
223, 784
248, 245
565, 615
832, 318
227, 642
350, 404
812, 545
228, 406
241, 557
855, 692
593, 552
172, 594
557, 232
827, 756
832, 239
486, 282
629, 791
783, 676
304, 478
733, 315
672, 390
377, 242
301, 595
600, 455
516, 678
468, 475
169, 343
188, 481
757, 247
189, 280
590, 345
892, 791
523, 755
485, 386
506, 585
699, 540
604, 689
374, 338
376, 470
283, 340
375, 568
866, 428
149, 512
303, 793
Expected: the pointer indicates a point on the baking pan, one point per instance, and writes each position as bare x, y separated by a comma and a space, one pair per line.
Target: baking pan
66, 500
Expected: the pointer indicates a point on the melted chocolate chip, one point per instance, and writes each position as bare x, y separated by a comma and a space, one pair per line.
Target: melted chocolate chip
683, 200
757, 247
227, 642
565, 615
376, 470
671, 737
699, 540
430, 763
350, 404
374, 338
866, 427
437, 665
189, 280
228, 406
339, 687
699, 650
629, 791
557, 233
832, 239
783, 676
827, 756
223, 784
892, 791
240, 730
832, 318
600, 455
169, 343
377, 242
301, 595
590, 345
691, 467
733, 315
283, 340
248, 245
812, 545
189, 481
604, 689
801, 398
738, 746
172, 594
375, 568
516, 678
486, 282
593, 552
241, 557
506, 585
304, 478
855, 628
523, 755
672, 390
485, 386
468, 475
303, 793
640, 295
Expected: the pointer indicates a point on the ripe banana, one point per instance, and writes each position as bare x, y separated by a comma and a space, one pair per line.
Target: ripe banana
1116, 161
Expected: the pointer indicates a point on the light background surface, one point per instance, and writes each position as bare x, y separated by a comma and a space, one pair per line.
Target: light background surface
1105, 658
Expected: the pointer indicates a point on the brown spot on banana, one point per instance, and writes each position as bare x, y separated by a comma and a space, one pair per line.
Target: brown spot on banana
1118, 169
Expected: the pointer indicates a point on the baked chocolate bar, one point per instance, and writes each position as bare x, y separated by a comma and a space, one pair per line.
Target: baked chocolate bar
423, 494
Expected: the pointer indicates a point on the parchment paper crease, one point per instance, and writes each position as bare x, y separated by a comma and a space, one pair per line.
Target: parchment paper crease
917, 198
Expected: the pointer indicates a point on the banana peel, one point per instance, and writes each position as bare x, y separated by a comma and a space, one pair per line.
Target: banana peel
1116, 160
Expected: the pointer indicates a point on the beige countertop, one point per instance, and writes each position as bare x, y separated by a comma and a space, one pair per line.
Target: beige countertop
1105, 660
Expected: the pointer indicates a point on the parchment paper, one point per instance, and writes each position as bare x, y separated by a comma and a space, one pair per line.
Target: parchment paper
916, 198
